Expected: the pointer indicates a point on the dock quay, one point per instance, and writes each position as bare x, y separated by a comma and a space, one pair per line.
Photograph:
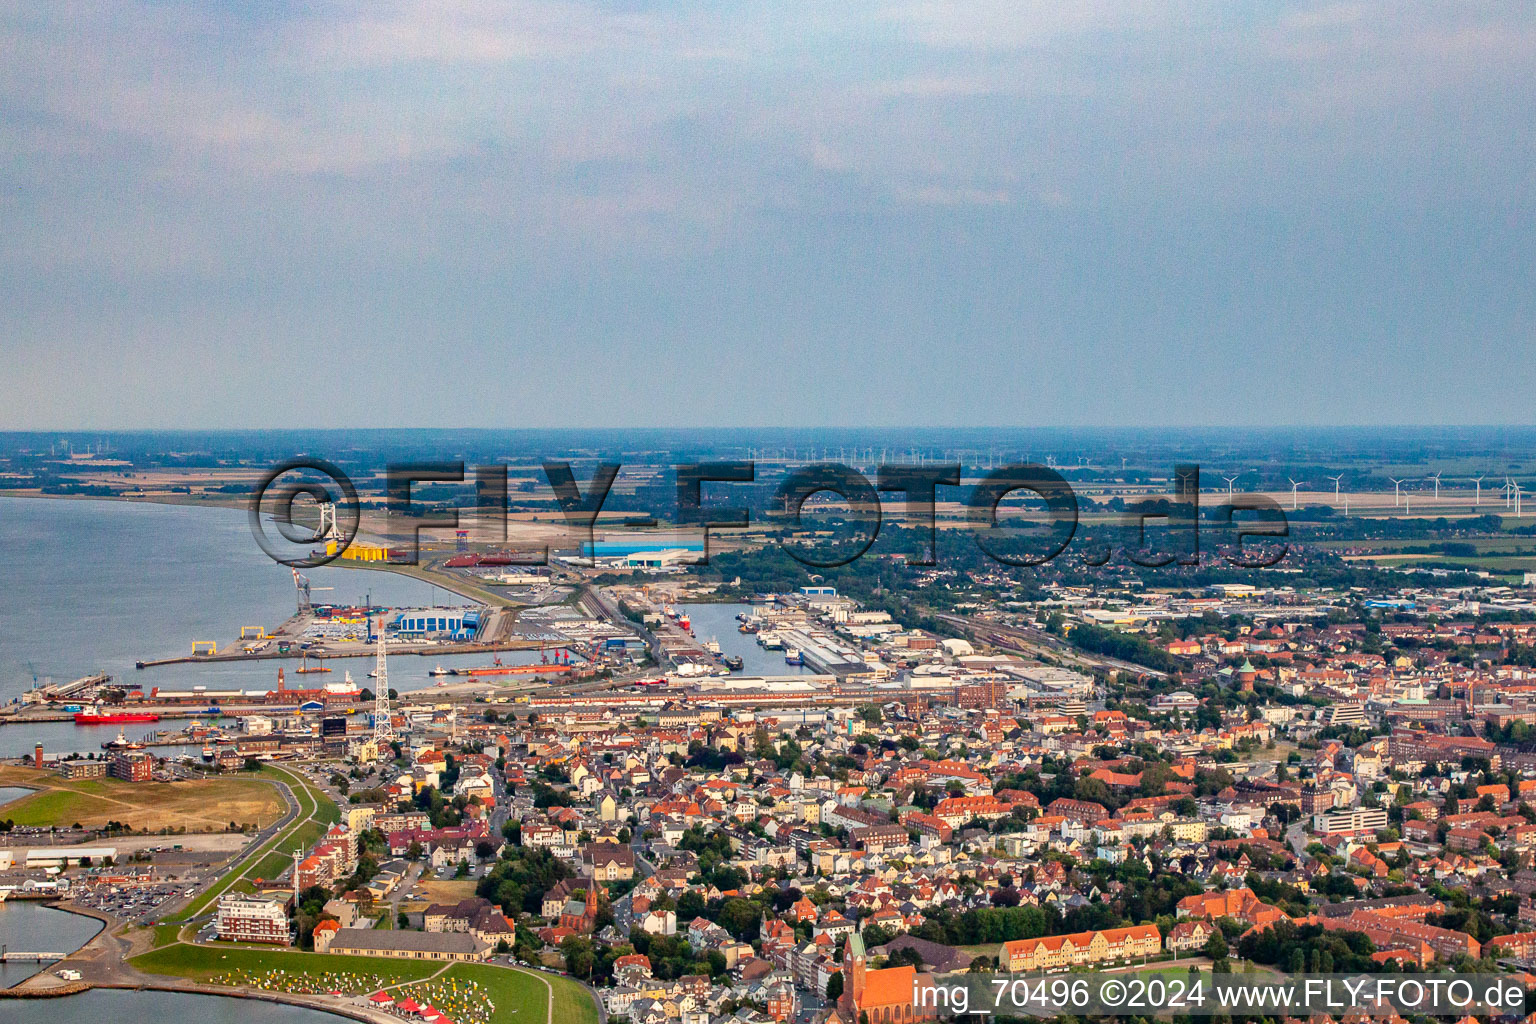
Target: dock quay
29, 716
368, 651
83, 688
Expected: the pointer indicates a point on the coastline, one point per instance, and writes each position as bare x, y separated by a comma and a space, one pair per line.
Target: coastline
179, 501
72, 988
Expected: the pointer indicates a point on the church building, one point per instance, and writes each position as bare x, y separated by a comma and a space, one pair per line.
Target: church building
884, 996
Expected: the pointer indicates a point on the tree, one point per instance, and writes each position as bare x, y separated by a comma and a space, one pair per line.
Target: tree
579, 958
740, 917
1216, 946
835, 986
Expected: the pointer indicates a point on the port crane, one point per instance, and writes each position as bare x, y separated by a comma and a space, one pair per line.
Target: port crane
301, 584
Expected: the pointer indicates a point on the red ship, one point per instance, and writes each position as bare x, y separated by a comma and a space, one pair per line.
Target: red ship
90, 718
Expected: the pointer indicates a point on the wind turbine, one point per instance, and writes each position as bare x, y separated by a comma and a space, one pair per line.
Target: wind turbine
1436, 479
1509, 491
1336, 480
1517, 501
1397, 491
1477, 500
1230, 480
1294, 485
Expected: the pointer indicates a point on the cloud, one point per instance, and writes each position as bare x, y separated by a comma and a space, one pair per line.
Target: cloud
679, 172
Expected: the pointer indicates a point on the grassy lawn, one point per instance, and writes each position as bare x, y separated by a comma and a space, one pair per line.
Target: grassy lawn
985, 949
573, 1004
519, 996
313, 807
272, 864
198, 805
447, 890
204, 963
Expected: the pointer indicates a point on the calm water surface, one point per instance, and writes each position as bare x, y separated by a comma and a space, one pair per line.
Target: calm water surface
33, 927
94, 586
100, 1005
718, 622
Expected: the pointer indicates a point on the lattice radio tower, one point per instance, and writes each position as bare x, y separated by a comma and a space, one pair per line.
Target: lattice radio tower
383, 728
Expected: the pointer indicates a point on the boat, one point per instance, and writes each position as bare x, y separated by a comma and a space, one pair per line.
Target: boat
304, 668
114, 718
732, 662
770, 640
439, 671
712, 645
792, 656
207, 753
121, 743
748, 628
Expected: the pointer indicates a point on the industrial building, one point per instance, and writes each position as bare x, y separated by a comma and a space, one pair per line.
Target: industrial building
66, 856
454, 623
665, 559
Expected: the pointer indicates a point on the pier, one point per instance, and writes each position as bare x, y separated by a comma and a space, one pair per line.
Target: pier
7, 957
83, 688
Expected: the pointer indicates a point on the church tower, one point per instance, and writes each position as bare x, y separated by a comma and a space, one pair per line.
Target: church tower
853, 974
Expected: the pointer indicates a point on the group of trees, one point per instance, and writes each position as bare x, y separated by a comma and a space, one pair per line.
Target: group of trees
520, 878
1125, 646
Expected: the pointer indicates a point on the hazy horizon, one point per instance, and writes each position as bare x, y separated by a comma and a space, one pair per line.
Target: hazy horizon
654, 211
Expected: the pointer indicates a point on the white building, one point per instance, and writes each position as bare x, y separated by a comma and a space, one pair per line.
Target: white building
243, 918
1358, 819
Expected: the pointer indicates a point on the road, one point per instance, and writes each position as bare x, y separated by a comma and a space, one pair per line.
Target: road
1297, 836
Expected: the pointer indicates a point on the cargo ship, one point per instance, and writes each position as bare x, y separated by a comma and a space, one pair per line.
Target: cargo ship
114, 718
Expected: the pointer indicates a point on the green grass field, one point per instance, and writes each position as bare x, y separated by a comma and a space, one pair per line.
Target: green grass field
520, 996
573, 1004
202, 963
272, 865
201, 805
314, 808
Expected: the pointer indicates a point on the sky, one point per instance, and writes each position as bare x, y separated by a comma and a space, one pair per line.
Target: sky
869, 212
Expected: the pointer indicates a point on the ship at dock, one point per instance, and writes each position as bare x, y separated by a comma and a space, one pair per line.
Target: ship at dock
122, 743
114, 717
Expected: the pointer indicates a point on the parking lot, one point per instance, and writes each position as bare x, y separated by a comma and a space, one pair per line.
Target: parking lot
140, 904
